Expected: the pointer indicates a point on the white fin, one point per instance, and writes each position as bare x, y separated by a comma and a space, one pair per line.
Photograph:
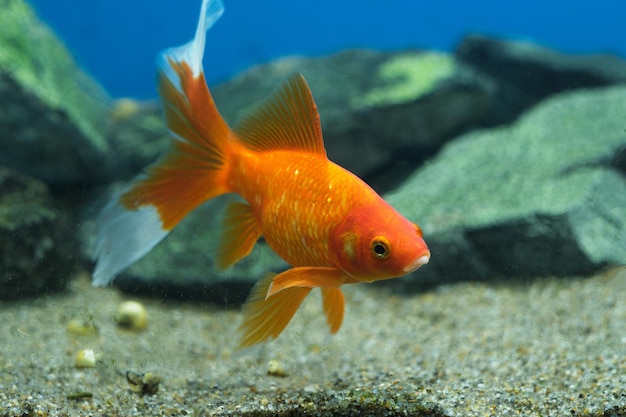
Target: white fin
124, 236
193, 51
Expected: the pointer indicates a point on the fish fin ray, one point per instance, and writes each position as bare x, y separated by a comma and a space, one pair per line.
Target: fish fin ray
193, 170
306, 277
239, 234
193, 51
195, 167
265, 319
334, 306
123, 237
286, 120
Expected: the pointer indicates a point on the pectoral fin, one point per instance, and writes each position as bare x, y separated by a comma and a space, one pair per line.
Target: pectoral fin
308, 277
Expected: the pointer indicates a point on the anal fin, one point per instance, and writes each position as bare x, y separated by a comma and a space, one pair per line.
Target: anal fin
265, 319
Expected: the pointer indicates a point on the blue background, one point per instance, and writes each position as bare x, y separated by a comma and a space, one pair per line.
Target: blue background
117, 40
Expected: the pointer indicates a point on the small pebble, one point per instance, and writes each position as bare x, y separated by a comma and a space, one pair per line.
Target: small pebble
132, 315
85, 358
275, 368
81, 327
124, 108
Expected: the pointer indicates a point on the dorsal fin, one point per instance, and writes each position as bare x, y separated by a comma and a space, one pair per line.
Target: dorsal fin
286, 120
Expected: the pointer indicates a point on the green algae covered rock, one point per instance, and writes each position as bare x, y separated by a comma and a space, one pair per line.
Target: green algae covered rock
521, 73
406, 77
53, 116
37, 243
545, 196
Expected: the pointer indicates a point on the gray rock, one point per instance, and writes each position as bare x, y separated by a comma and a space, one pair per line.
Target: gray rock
545, 196
37, 241
136, 135
379, 110
523, 73
53, 113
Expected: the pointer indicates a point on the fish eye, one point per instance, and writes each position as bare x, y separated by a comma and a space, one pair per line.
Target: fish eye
380, 248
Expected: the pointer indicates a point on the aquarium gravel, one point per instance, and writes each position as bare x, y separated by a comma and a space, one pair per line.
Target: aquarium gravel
547, 347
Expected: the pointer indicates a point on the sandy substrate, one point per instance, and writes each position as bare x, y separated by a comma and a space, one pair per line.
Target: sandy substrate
552, 347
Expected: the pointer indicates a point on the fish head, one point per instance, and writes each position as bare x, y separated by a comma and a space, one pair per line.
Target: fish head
375, 242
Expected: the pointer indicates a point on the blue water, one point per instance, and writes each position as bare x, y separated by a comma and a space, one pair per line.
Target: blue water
117, 40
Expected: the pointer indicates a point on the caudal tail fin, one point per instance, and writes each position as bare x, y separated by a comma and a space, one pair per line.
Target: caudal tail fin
194, 170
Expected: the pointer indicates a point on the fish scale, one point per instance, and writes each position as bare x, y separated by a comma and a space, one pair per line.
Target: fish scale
302, 198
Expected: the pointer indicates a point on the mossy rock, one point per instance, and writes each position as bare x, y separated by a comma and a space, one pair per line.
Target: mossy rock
407, 77
54, 114
545, 196
38, 244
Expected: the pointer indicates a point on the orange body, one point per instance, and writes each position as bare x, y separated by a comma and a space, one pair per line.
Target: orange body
330, 226
298, 199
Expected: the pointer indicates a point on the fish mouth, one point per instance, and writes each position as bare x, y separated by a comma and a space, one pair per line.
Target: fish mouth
417, 262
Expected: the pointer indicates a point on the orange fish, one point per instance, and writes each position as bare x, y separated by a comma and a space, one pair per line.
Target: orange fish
330, 226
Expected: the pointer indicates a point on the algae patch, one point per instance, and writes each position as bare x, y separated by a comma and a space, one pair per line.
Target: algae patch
408, 76
31, 53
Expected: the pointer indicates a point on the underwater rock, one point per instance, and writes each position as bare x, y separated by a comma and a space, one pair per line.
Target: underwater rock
545, 196
136, 135
523, 73
52, 120
382, 113
37, 241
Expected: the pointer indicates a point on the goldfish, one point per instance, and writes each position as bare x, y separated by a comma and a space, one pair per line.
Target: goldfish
324, 221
